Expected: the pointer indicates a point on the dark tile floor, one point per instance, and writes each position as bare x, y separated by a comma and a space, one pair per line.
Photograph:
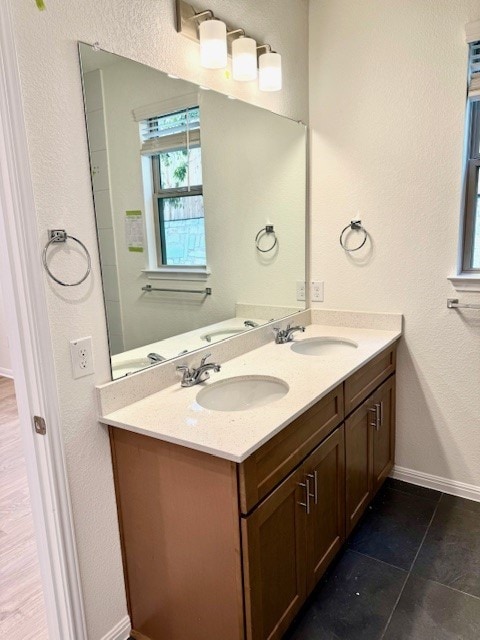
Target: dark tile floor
410, 571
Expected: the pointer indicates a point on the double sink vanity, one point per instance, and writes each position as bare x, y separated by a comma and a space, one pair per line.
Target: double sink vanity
238, 476
236, 492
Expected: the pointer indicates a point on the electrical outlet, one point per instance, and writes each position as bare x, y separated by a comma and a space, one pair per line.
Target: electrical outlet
82, 357
317, 291
300, 290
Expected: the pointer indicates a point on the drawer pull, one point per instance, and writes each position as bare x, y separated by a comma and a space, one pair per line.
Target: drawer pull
374, 411
306, 504
314, 477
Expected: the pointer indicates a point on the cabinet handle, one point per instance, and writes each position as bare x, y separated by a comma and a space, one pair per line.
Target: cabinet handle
314, 476
377, 417
374, 411
381, 413
306, 504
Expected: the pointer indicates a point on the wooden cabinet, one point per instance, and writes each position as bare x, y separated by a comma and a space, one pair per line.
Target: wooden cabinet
369, 449
273, 541
291, 537
215, 550
325, 474
384, 433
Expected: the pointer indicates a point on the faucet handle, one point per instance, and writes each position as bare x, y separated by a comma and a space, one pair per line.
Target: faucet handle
204, 359
183, 368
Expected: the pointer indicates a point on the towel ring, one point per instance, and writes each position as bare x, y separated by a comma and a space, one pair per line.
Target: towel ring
60, 235
355, 225
266, 231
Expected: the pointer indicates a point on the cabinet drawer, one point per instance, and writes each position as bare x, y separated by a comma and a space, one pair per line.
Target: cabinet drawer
265, 468
361, 383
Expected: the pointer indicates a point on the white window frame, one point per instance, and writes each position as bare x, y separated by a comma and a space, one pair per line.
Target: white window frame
468, 279
154, 270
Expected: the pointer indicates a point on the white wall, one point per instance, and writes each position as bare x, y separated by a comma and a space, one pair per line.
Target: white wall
387, 102
5, 364
47, 53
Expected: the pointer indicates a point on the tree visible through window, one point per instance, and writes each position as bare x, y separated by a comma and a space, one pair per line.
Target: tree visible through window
173, 141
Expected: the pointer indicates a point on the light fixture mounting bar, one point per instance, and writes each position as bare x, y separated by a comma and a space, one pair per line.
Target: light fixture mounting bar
187, 25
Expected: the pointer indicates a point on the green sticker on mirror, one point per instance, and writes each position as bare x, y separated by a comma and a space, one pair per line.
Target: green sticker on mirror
134, 231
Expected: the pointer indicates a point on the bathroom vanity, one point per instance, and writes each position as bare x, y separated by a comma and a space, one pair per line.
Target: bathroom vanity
225, 535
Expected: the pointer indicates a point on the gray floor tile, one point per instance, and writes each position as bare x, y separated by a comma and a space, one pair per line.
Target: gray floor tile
460, 503
353, 601
393, 527
413, 489
451, 551
430, 611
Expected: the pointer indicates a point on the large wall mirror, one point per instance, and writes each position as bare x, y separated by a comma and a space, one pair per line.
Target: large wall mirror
200, 205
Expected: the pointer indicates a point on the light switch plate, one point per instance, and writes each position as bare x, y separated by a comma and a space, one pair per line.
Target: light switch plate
317, 291
81, 354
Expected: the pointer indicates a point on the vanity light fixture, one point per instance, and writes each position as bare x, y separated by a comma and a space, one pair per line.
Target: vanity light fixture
217, 39
244, 58
213, 43
270, 69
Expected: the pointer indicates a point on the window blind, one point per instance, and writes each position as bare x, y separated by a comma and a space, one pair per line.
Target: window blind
172, 131
474, 72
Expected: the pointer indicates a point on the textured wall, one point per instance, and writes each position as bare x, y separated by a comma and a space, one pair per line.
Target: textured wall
47, 52
387, 102
5, 364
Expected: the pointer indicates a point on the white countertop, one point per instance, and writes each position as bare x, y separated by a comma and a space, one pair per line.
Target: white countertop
174, 415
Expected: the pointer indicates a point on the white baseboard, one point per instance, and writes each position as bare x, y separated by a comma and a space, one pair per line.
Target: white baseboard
120, 631
6, 373
454, 488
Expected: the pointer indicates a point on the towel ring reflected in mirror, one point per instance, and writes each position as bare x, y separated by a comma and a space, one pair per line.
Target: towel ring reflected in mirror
267, 230
57, 236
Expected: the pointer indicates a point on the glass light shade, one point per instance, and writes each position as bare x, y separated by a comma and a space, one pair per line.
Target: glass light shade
213, 44
270, 72
244, 59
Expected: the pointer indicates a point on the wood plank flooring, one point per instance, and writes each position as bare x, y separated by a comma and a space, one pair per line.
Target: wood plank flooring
22, 609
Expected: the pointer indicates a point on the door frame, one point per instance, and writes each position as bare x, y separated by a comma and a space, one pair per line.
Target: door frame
22, 283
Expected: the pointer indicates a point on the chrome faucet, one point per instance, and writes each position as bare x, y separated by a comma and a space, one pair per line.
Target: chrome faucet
194, 375
155, 357
250, 323
286, 335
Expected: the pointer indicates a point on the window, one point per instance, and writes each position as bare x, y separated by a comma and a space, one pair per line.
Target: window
471, 234
172, 141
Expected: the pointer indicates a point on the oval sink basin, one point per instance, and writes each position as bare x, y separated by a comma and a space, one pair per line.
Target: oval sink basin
326, 346
242, 393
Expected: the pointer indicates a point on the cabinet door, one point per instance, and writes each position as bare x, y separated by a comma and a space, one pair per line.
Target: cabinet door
273, 542
359, 461
384, 433
325, 529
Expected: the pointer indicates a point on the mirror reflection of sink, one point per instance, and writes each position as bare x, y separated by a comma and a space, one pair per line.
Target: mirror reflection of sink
241, 393
219, 334
324, 346
132, 363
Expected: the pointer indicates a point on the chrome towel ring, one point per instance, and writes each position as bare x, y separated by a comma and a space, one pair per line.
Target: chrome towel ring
355, 225
267, 230
60, 235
